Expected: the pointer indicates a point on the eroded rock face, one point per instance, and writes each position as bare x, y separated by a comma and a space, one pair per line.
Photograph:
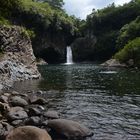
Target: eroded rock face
69, 129
28, 133
17, 61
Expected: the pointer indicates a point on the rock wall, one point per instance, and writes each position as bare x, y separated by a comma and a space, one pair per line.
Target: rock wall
17, 61
51, 50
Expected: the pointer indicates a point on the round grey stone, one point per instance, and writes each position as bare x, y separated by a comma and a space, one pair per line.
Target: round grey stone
16, 113
18, 101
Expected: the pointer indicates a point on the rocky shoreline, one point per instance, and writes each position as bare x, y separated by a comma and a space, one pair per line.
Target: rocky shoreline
29, 114
24, 117
117, 64
113, 63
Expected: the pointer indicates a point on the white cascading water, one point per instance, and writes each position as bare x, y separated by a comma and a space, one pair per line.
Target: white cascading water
69, 55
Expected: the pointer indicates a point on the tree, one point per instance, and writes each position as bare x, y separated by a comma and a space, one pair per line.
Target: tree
53, 3
128, 32
131, 51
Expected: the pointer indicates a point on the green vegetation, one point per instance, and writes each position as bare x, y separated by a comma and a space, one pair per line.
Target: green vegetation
100, 37
4, 21
131, 51
53, 3
114, 27
48, 25
128, 32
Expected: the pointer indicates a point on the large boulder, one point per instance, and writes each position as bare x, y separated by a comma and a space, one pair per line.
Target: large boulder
28, 133
69, 129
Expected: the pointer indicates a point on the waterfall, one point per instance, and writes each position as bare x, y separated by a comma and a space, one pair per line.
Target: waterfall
69, 55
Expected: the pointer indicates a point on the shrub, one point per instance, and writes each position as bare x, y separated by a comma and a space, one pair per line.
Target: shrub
128, 32
130, 51
4, 21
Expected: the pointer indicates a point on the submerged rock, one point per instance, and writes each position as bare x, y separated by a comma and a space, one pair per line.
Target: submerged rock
28, 133
69, 129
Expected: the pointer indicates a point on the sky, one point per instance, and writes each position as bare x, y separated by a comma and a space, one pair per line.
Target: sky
81, 8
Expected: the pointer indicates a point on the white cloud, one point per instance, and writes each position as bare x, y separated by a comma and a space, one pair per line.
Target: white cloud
78, 7
120, 2
81, 8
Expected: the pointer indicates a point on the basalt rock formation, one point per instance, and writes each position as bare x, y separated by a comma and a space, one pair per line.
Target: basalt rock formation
17, 61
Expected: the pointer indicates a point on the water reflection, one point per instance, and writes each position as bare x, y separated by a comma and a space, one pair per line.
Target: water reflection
29, 85
69, 81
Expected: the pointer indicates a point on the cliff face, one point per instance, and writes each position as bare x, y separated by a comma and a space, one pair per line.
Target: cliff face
83, 48
51, 51
17, 61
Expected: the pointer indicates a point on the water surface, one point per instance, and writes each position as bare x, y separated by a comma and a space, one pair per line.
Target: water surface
105, 100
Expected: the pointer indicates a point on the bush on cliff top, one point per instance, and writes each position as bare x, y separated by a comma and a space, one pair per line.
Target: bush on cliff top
128, 32
130, 51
